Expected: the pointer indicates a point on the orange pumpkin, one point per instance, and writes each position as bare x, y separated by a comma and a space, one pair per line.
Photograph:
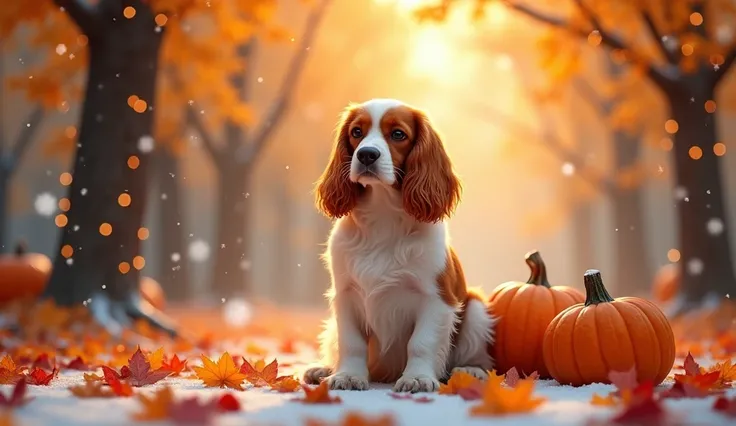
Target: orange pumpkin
666, 283
152, 292
524, 310
23, 274
587, 341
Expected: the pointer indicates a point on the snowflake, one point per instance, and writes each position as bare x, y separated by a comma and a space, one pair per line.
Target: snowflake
237, 312
60, 49
45, 204
145, 144
175, 257
680, 193
70, 261
245, 264
260, 79
695, 266
199, 251
715, 226
83, 191
568, 169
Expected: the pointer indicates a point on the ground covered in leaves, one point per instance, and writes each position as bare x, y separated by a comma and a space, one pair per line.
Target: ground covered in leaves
58, 368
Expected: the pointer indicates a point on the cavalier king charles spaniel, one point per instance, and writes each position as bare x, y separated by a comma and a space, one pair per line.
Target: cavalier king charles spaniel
400, 308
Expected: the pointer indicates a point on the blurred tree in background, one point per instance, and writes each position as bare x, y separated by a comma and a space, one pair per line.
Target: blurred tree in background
684, 49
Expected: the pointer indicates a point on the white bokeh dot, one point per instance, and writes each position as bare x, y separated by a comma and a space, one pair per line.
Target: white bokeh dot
237, 312
199, 251
695, 266
715, 226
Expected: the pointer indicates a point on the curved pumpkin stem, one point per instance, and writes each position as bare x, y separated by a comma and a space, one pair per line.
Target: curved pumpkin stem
595, 291
21, 248
538, 269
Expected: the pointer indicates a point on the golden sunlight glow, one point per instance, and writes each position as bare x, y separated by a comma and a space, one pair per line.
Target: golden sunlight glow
430, 52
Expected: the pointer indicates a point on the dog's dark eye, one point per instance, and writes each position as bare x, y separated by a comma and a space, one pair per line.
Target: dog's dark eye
398, 135
356, 133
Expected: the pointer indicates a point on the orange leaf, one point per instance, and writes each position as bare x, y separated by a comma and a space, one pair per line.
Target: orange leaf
607, 401
286, 384
175, 365
260, 376
222, 374
156, 406
459, 381
499, 400
318, 395
9, 372
727, 373
355, 419
91, 389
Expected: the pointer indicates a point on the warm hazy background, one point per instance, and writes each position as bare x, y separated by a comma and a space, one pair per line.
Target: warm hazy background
481, 83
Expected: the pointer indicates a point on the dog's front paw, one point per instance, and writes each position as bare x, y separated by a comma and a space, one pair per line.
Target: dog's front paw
476, 372
314, 376
347, 381
416, 383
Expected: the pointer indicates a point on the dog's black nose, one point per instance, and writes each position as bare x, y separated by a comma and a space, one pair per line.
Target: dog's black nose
368, 155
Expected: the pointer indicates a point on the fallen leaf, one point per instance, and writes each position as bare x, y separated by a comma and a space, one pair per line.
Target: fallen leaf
352, 418
533, 376
77, 364
461, 383
120, 388
410, 397
262, 376
141, 373
318, 395
91, 377
91, 390
156, 406
6, 418
727, 373
44, 361
222, 374
286, 384
192, 411
228, 402
423, 399
691, 367
725, 406
17, 397
499, 400
175, 365
624, 380
38, 377
253, 349
511, 378
607, 401
156, 359
287, 346
647, 412
9, 372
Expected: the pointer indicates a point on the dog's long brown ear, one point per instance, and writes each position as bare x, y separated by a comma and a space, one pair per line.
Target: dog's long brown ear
431, 190
336, 195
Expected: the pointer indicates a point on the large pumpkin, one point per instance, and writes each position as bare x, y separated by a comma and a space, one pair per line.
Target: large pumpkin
152, 292
524, 310
587, 341
666, 283
23, 274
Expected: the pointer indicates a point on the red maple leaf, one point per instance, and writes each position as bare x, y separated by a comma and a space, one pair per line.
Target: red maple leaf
192, 411
624, 380
694, 383
110, 374
175, 365
691, 367
140, 371
265, 377
228, 402
43, 361
725, 406
648, 412
18, 397
119, 388
39, 377
511, 378
77, 364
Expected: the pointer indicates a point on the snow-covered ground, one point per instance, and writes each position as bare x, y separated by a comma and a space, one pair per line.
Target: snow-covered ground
55, 405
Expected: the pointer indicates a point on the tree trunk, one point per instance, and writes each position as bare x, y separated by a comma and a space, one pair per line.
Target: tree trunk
705, 256
231, 273
583, 239
173, 276
123, 62
4, 210
633, 271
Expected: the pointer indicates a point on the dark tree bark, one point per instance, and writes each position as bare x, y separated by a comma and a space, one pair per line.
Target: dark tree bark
4, 208
173, 276
123, 61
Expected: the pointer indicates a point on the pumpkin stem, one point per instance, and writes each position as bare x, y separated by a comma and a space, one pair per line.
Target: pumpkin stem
21, 248
595, 291
538, 269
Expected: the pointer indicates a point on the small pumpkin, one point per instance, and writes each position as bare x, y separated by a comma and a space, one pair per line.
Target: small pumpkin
23, 274
152, 292
587, 341
666, 283
524, 310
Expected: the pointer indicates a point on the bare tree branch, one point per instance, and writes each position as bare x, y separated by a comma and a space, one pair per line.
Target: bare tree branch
82, 13
669, 55
14, 156
661, 76
249, 152
207, 140
725, 66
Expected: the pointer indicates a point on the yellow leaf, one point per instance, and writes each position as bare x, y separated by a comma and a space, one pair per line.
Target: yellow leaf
222, 374
607, 401
156, 359
459, 381
156, 406
728, 373
499, 400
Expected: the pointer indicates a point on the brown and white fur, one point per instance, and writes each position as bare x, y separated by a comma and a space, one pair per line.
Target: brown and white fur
401, 311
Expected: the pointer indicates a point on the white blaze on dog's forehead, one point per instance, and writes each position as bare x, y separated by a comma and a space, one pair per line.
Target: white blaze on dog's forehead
378, 107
